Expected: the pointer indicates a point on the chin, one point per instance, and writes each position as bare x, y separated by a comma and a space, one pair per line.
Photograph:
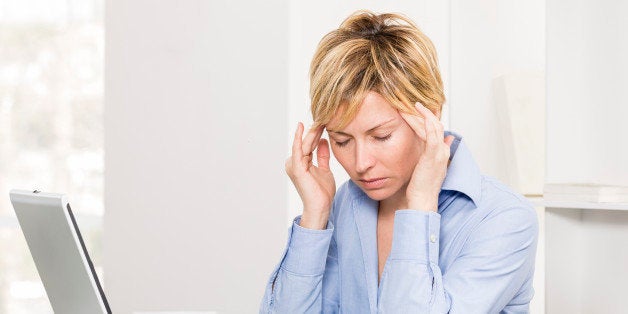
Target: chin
385, 192
379, 194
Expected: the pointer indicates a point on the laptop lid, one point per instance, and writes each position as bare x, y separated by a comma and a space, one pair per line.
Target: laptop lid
59, 252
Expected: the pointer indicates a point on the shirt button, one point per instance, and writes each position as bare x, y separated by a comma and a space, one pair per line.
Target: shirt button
433, 238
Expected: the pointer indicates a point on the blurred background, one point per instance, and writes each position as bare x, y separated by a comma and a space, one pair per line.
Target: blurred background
51, 128
168, 123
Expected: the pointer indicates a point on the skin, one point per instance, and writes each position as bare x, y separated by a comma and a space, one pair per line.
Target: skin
408, 153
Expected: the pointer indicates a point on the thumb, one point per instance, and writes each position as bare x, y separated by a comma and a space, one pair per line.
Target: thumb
449, 140
322, 154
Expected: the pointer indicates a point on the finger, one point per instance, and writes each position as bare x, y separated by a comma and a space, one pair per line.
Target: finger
446, 147
437, 126
449, 140
440, 125
297, 142
312, 137
426, 113
416, 123
322, 154
430, 134
437, 129
317, 137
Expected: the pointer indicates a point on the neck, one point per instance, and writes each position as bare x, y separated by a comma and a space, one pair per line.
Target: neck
394, 202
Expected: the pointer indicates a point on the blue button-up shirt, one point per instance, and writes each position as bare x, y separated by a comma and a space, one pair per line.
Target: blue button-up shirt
475, 255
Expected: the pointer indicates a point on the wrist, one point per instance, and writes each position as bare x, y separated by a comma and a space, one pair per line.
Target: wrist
423, 204
314, 221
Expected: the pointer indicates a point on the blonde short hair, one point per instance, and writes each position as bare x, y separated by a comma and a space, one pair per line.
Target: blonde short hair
384, 53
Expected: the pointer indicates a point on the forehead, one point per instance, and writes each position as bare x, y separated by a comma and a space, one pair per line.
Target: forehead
374, 110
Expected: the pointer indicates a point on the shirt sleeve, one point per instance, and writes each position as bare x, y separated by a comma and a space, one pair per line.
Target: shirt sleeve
491, 268
296, 284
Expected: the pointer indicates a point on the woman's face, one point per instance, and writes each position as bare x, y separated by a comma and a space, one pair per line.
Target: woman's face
378, 149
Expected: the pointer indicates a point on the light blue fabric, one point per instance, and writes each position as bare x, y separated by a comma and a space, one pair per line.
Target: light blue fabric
476, 255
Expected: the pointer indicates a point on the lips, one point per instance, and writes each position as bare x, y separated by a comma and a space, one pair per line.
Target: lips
373, 183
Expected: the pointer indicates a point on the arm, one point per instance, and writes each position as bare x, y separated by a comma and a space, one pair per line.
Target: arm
495, 262
305, 280
491, 268
299, 281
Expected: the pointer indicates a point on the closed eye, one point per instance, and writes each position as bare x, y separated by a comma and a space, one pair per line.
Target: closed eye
341, 144
378, 138
383, 138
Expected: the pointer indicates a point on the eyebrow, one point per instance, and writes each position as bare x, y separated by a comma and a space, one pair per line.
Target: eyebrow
368, 131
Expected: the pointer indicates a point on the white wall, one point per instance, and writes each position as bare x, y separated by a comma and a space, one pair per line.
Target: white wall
491, 39
195, 110
587, 76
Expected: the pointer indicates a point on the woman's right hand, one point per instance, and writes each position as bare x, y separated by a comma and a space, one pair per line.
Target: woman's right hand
315, 184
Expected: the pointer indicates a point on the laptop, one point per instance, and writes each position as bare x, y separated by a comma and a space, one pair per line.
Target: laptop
59, 252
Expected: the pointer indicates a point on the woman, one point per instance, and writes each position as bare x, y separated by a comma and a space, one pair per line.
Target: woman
418, 228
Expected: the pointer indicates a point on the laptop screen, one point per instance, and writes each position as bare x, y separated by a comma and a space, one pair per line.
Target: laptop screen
59, 252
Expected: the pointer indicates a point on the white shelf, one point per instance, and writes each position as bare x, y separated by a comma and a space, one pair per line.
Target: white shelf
540, 202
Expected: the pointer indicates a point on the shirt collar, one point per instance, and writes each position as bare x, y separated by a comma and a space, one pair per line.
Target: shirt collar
463, 174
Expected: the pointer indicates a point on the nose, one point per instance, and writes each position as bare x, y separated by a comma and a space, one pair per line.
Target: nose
364, 160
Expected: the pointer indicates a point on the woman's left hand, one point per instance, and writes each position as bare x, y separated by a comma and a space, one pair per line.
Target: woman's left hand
429, 173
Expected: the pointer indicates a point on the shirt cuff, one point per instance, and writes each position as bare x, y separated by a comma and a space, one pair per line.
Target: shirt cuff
307, 249
416, 235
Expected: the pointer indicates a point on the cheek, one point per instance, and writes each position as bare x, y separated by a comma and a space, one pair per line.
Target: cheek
343, 156
403, 154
